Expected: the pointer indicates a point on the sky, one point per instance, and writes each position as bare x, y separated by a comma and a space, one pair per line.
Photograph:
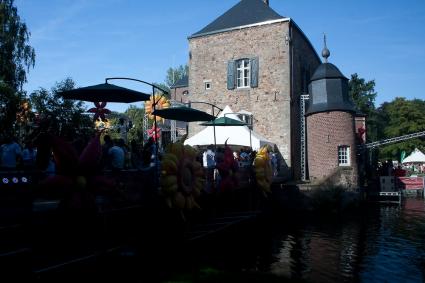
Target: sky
90, 40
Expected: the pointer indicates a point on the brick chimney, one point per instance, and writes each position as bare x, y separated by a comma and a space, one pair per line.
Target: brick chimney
266, 2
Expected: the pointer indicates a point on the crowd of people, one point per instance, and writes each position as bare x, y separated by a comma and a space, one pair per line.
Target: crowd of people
13, 156
116, 154
388, 168
244, 158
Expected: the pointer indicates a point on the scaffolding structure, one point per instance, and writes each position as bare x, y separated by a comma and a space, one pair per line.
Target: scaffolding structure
392, 140
303, 99
145, 128
173, 124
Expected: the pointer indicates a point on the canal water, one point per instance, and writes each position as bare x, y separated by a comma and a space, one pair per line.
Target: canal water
378, 243
382, 243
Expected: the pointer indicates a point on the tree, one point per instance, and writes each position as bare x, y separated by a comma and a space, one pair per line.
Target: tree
164, 87
9, 102
402, 117
363, 95
16, 55
135, 115
65, 117
362, 92
175, 74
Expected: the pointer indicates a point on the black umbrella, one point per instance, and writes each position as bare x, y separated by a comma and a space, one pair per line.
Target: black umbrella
105, 92
183, 113
224, 121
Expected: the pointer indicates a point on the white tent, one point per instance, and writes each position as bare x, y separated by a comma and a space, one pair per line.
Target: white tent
415, 157
236, 135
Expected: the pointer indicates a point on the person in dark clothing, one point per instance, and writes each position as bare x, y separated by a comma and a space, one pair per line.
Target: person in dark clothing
105, 151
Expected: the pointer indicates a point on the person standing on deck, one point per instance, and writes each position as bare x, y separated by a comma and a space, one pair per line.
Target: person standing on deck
11, 154
117, 156
209, 162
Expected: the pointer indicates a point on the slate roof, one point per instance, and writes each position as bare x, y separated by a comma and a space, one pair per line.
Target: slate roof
327, 71
246, 12
329, 91
183, 82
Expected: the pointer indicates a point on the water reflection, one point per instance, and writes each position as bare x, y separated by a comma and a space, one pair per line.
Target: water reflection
384, 244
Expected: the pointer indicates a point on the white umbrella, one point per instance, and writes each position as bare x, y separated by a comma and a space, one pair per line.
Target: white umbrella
415, 157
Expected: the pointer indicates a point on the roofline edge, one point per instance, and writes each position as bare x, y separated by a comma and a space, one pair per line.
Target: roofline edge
240, 27
306, 38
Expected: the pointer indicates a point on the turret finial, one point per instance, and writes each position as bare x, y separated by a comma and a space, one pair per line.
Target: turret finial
325, 52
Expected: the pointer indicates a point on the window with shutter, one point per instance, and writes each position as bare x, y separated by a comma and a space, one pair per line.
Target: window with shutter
243, 73
231, 74
254, 72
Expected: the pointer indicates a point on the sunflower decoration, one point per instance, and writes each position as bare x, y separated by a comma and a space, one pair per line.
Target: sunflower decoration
263, 169
162, 103
182, 177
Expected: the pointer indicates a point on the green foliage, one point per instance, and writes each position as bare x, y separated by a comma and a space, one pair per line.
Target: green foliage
9, 103
16, 55
135, 115
164, 87
65, 117
403, 117
363, 95
113, 119
392, 119
175, 74
362, 92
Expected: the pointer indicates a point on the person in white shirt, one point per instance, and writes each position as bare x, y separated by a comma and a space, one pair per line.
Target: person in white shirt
208, 160
117, 155
10, 153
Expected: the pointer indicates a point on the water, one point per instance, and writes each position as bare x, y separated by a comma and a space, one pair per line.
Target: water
381, 243
385, 243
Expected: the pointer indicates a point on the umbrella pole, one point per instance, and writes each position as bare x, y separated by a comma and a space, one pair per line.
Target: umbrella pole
156, 173
250, 140
215, 142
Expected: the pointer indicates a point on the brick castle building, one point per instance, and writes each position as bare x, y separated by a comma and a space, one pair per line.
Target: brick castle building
253, 59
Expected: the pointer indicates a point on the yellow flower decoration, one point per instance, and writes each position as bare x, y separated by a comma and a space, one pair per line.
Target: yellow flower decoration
162, 103
263, 169
182, 177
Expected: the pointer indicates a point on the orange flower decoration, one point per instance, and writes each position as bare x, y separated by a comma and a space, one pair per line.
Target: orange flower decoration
162, 103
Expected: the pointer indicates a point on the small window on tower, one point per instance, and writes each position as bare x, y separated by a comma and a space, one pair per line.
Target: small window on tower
344, 155
207, 85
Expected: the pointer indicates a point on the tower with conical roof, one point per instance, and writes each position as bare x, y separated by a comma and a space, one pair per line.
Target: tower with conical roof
331, 140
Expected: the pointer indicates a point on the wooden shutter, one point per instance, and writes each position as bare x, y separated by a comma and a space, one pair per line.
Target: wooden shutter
254, 71
231, 72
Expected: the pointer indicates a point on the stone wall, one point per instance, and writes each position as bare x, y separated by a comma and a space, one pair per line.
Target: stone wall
274, 106
305, 62
180, 94
325, 132
269, 102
